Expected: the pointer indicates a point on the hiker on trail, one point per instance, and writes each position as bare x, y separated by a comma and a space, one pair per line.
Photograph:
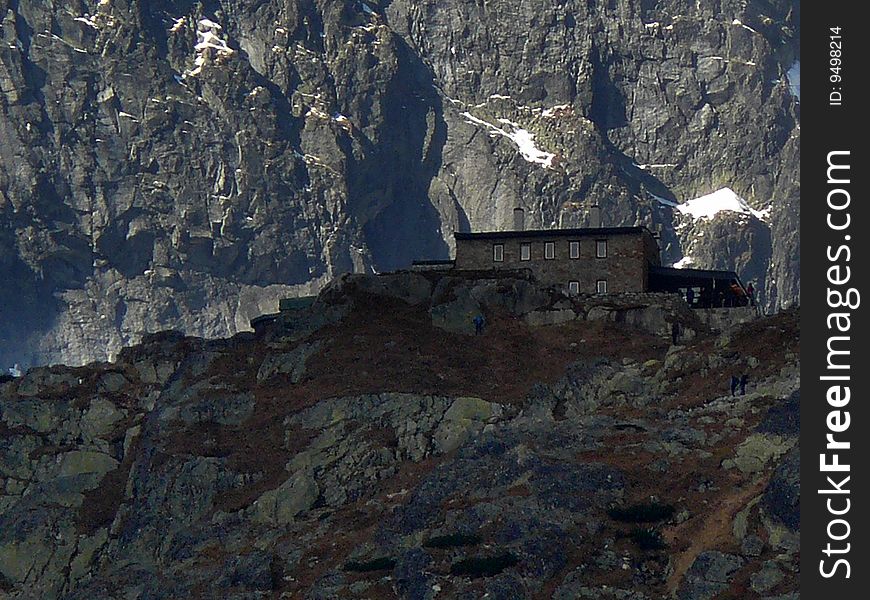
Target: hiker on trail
744, 379
479, 323
737, 294
690, 296
750, 293
734, 383
706, 299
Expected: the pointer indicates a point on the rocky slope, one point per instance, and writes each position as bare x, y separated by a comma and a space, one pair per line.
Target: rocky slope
365, 448
181, 164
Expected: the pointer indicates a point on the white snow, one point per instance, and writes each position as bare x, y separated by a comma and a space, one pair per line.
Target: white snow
61, 40
177, 24
723, 200
793, 75
209, 39
656, 166
526, 142
552, 112
748, 63
209, 24
741, 24
684, 262
664, 201
316, 112
87, 20
524, 139
210, 45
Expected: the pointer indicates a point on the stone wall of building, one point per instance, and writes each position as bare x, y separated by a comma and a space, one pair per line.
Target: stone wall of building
625, 268
720, 319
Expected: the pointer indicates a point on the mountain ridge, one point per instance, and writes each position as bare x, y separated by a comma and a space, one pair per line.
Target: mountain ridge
371, 445
183, 165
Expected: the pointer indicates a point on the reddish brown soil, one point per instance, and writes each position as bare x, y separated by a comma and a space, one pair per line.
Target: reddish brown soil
394, 347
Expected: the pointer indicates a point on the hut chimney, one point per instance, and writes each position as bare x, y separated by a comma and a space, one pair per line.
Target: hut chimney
519, 219
595, 216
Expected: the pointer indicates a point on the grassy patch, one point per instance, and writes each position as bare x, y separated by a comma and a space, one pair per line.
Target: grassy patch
384, 563
452, 540
484, 566
650, 512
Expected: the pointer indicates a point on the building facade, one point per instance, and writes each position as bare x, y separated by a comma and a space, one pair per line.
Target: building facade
591, 260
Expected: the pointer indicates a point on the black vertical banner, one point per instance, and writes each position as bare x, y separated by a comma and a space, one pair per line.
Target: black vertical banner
835, 369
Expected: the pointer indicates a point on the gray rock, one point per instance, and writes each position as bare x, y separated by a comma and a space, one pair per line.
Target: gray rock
192, 196
282, 505
100, 418
754, 453
464, 418
709, 575
781, 499
767, 578
752, 545
289, 363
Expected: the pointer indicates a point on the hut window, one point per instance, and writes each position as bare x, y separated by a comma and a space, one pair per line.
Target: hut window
498, 252
574, 249
601, 248
573, 287
601, 286
549, 250
525, 251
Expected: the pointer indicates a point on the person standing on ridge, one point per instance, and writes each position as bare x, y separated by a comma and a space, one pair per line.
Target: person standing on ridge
479, 323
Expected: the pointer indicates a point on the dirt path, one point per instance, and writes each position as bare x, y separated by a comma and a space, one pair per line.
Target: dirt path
710, 531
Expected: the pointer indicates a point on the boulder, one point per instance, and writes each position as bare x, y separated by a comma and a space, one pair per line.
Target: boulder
767, 578
709, 575
756, 451
289, 363
465, 417
781, 499
281, 506
99, 419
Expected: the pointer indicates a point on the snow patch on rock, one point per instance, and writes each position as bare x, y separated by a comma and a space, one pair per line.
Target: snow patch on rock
210, 46
524, 139
710, 205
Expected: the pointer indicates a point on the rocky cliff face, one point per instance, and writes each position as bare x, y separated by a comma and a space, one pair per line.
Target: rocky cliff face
366, 449
182, 164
